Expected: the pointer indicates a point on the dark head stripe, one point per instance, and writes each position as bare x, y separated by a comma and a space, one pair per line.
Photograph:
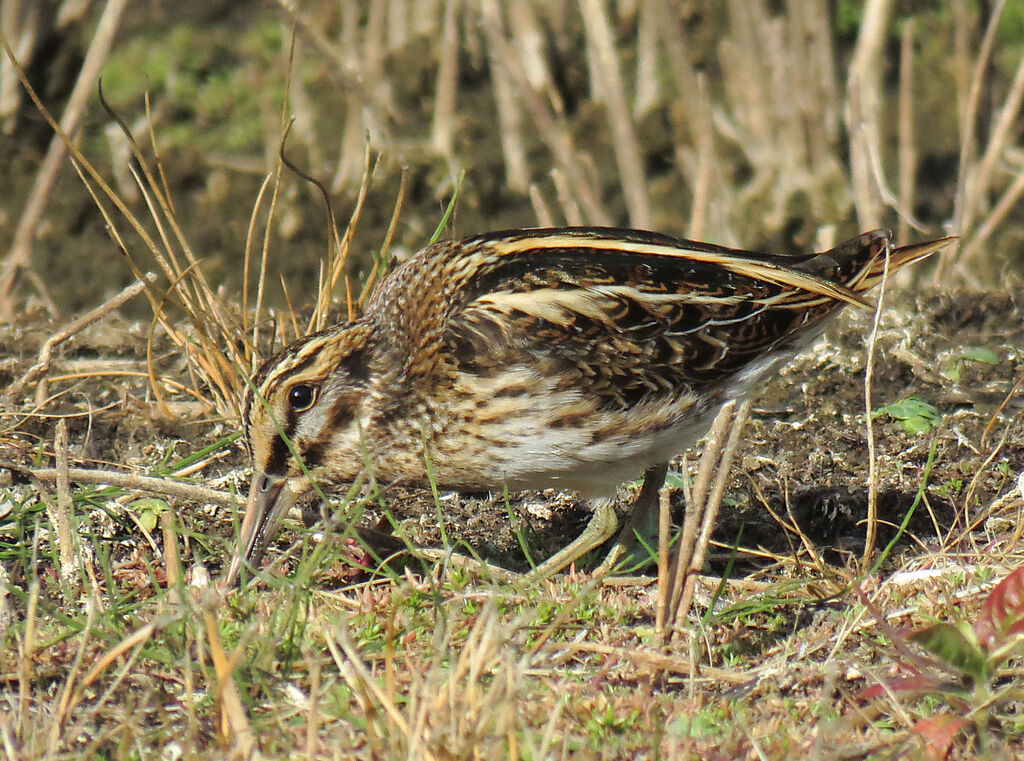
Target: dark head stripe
277, 463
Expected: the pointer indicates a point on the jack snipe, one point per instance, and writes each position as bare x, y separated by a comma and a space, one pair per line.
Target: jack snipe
573, 358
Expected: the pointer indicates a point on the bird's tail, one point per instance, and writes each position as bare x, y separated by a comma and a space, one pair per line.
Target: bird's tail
900, 257
859, 264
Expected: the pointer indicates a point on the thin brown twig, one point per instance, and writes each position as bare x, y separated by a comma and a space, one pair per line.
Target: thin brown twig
172, 562
132, 481
702, 508
42, 364
196, 296
382, 256
330, 274
264, 260
356, 675
790, 527
64, 534
250, 234
973, 518
710, 516
155, 147
206, 313
26, 656
69, 694
694, 511
296, 333
664, 663
237, 721
871, 521
158, 319
664, 526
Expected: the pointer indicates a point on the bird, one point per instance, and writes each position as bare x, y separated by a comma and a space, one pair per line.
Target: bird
574, 358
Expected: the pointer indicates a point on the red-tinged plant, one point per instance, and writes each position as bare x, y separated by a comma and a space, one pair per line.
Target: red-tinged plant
967, 671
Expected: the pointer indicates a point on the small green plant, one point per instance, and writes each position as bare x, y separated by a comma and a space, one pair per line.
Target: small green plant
147, 511
964, 682
949, 488
980, 354
914, 415
604, 723
710, 721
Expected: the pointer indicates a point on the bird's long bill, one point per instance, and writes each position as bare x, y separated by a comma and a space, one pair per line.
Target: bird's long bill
904, 255
269, 499
898, 258
913, 252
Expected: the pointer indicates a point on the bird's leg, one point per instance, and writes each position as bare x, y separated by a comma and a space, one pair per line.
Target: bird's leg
602, 525
643, 521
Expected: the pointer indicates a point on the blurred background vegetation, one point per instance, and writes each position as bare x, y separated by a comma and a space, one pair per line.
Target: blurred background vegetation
757, 123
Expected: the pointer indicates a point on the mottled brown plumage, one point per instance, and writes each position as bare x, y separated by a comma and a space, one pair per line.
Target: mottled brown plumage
574, 358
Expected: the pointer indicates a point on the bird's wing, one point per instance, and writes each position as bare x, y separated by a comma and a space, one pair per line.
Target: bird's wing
626, 315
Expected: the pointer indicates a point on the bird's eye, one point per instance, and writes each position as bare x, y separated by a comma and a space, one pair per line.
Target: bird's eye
301, 397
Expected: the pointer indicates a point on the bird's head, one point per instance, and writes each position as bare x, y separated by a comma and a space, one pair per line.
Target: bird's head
304, 414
